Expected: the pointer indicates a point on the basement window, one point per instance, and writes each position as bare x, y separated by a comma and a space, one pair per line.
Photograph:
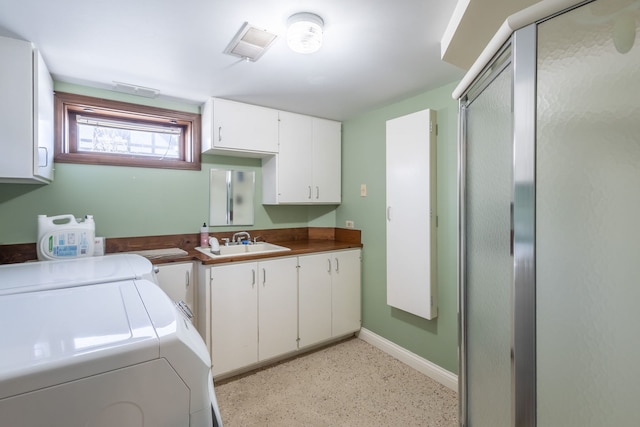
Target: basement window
98, 131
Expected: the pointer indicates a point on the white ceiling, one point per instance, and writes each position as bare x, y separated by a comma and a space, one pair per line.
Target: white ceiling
375, 51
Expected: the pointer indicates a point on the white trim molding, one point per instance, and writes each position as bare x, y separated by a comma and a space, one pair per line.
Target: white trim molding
430, 369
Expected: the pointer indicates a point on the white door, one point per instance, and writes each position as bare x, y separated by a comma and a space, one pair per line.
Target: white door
345, 293
177, 281
43, 124
314, 299
326, 161
244, 127
234, 316
277, 307
294, 159
411, 213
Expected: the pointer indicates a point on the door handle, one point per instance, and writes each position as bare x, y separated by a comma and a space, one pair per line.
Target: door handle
46, 157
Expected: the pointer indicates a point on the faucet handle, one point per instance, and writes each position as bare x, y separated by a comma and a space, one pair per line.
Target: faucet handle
226, 241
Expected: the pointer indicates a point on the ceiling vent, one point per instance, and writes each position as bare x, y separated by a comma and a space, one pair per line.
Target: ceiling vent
147, 92
250, 42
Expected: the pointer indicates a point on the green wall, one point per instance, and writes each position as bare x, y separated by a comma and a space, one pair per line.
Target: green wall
363, 147
142, 201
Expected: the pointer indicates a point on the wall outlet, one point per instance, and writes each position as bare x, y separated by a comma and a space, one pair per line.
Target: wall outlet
363, 190
98, 246
349, 224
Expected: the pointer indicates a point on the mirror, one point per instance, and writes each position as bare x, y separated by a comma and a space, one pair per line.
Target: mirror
231, 197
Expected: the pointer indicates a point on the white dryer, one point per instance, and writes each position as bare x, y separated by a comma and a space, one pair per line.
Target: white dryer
94, 342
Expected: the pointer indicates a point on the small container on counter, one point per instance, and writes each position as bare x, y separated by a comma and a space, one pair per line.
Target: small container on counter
204, 236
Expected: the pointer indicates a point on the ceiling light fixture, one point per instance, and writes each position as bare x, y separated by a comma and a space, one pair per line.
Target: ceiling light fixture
305, 32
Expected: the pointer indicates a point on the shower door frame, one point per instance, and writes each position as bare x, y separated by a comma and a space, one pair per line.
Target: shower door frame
521, 51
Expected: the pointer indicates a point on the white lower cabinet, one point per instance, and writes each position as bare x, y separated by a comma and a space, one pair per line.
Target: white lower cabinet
314, 299
177, 280
261, 310
253, 312
277, 307
345, 292
329, 296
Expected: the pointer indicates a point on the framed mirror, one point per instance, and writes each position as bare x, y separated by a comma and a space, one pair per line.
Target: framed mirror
231, 194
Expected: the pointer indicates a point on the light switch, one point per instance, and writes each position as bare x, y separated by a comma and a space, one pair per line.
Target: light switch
363, 190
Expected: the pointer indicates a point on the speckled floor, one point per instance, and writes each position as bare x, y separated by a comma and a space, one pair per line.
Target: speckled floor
349, 384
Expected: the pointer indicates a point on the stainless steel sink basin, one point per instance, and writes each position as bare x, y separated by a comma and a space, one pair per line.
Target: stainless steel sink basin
243, 250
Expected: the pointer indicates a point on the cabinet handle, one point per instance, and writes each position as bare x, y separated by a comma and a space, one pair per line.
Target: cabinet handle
219, 133
317, 192
46, 157
337, 265
388, 213
264, 277
329, 261
253, 278
187, 277
309, 192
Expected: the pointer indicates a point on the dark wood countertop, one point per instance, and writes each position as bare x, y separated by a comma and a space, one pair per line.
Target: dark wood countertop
303, 240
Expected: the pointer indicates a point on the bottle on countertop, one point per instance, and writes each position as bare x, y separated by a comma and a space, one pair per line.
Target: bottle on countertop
204, 236
215, 246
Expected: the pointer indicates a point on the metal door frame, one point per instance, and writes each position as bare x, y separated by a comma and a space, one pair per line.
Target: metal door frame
519, 53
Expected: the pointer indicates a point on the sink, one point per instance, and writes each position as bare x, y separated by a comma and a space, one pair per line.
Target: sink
243, 250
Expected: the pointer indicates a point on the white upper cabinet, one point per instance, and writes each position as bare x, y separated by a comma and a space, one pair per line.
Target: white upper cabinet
307, 169
234, 128
326, 164
411, 213
26, 114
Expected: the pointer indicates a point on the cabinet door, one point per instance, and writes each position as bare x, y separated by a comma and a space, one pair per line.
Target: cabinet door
345, 295
177, 281
411, 213
294, 159
277, 307
326, 161
238, 127
314, 299
43, 125
26, 115
234, 316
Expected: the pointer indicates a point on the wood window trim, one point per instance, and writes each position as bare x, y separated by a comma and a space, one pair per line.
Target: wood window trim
67, 105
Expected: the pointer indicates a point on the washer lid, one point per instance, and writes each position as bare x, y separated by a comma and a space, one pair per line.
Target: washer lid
60, 335
36, 276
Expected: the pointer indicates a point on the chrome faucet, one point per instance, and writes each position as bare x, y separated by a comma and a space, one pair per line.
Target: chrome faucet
237, 237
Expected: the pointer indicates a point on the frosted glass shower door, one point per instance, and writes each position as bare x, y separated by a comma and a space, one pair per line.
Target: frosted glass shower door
587, 217
487, 269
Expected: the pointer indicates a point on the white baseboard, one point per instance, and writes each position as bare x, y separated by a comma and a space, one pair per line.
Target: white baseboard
430, 369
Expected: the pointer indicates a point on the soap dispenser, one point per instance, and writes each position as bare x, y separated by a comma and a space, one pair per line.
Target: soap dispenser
204, 235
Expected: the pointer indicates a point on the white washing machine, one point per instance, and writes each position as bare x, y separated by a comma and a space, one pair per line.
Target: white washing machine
94, 342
